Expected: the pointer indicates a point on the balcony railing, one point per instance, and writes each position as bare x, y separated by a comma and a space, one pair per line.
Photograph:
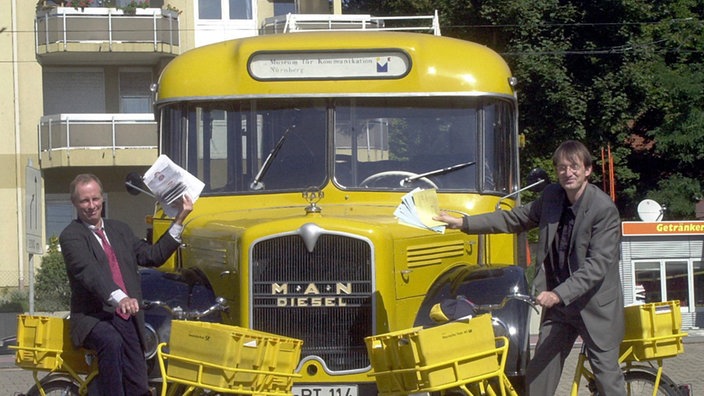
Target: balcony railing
292, 23
61, 26
67, 135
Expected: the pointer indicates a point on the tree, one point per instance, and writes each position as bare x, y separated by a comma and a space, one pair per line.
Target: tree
52, 289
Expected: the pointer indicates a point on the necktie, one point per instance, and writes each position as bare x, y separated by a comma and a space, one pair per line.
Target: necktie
114, 266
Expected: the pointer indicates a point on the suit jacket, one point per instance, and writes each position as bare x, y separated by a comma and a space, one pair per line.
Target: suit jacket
594, 286
89, 271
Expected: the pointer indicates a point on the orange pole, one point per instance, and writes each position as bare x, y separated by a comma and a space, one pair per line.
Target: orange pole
612, 177
603, 170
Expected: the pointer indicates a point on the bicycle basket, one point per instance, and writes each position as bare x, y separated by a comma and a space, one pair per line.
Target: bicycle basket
429, 359
44, 343
218, 356
653, 331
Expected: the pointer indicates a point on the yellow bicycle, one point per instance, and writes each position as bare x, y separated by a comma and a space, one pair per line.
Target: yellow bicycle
472, 357
652, 335
204, 357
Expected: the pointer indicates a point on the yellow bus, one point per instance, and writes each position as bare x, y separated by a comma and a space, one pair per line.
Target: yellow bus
307, 144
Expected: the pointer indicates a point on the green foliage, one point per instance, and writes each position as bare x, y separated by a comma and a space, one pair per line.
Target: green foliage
14, 300
131, 7
52, 290
172, 8
676, 193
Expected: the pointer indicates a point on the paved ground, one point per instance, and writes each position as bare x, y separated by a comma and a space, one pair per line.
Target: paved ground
685, 368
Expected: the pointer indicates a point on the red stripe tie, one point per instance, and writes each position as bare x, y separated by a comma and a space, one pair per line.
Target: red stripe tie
114, 266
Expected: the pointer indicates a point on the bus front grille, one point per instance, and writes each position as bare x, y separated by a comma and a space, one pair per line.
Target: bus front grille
322, 297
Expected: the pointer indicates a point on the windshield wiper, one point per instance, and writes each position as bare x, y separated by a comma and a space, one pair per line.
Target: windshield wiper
257, 182
440, 171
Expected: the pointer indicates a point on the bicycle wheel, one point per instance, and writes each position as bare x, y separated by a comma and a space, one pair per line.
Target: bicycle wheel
642, 383
56, 387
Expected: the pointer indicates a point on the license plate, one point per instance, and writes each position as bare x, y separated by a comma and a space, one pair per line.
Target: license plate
325, 390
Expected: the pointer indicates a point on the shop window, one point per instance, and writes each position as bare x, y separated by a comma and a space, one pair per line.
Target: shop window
647, 274
676, 280
698, 281
667, 280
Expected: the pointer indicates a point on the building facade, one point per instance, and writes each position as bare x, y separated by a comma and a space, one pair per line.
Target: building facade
76, 98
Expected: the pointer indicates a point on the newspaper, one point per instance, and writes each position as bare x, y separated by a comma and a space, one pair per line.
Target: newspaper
169, 182
417, 209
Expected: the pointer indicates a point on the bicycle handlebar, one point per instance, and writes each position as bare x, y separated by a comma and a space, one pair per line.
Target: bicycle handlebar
178, 313
530, 300
460, 306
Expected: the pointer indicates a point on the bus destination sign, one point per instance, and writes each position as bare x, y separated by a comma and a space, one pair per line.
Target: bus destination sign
384, 64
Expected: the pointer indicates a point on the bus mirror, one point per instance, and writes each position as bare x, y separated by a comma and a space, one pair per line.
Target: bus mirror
135, 184
537, 179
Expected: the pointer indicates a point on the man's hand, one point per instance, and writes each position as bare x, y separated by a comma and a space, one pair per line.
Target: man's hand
185, 206
129, 306
452, 221
547, 299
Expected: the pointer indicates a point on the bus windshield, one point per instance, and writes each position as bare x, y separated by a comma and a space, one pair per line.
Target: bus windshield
360, 143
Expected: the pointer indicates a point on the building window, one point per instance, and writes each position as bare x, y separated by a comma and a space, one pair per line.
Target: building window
221, 20
215, 9
59, 213
283, 7
240, 9
73, 90
135, 94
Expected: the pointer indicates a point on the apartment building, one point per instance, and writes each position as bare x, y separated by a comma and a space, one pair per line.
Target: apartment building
75, 97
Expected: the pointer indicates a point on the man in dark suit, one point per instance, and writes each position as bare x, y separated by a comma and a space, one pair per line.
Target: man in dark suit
105, 300
578, 280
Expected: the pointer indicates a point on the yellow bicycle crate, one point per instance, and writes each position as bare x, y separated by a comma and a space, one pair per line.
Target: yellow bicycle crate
653, 330
230, 357
44, 343
428, 359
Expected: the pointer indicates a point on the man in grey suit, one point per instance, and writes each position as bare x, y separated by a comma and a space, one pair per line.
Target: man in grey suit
102, 258
577, 281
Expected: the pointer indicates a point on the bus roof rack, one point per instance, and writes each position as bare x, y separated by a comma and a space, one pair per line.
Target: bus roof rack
291, 23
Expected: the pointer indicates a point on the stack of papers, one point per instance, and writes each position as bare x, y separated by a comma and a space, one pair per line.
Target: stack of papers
169, 182
418, 208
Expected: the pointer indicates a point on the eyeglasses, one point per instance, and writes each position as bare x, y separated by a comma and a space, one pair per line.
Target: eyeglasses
573, 167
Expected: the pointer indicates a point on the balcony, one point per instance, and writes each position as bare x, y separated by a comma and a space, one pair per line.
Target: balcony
70, 140
65, 35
